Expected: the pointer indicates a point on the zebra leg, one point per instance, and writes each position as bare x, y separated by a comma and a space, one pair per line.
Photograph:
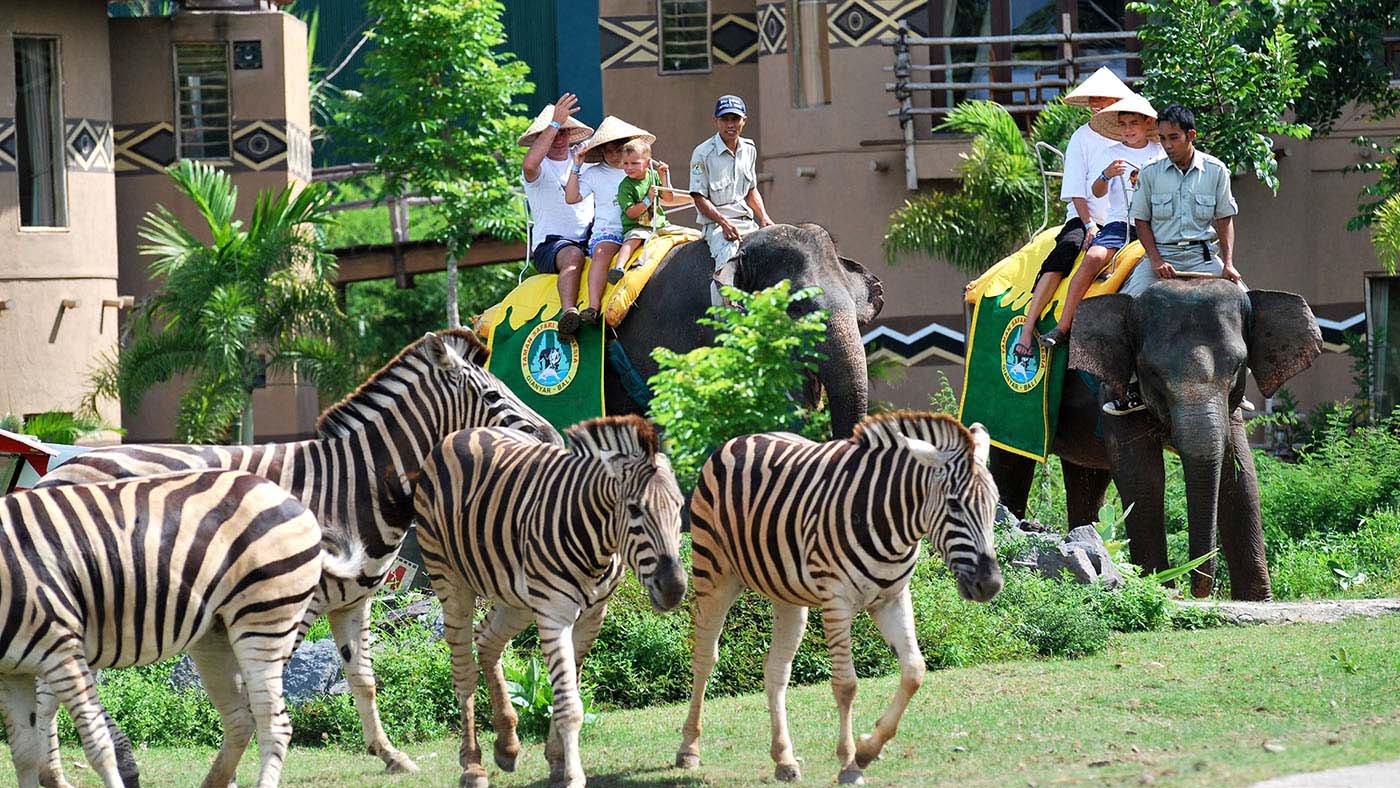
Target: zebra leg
457, 607
261, 659
789, 624
26, 732
218, 669
590, 621
836, 619
714, 595
501, 624
557, 643
350, 627
51, 775
71, 680
896, 621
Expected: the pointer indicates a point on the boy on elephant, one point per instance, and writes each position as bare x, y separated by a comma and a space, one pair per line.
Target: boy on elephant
724, 183
1184, 212
1084, 212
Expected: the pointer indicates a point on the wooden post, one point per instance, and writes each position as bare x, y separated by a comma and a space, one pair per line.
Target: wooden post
1067, 27
905, 96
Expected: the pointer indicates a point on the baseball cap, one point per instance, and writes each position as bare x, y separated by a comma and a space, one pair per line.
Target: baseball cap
731, 105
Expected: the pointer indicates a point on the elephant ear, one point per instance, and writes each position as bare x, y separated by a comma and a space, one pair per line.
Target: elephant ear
1103, 341
865, 288
1283, 338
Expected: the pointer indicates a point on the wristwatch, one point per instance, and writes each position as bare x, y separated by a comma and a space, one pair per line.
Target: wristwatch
1103, 178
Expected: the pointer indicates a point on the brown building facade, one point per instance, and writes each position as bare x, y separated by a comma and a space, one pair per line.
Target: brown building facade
814, 76
102, 107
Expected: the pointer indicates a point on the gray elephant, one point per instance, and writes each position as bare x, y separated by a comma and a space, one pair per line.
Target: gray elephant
1190, 342
667, 311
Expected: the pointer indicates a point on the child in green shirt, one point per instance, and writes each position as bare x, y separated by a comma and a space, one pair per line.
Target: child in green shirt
642, 195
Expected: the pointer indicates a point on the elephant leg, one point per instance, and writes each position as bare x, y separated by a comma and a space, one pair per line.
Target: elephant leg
1013, 474
1084, 491
1135, 460
1240, 524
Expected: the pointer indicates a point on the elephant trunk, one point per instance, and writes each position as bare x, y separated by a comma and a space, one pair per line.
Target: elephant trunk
843, 374
1200, 434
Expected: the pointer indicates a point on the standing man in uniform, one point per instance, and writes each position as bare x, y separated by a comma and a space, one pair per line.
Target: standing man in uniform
1184, 212
724, 183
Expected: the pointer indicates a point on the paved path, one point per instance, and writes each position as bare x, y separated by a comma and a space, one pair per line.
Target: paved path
1321, 612
1372, 775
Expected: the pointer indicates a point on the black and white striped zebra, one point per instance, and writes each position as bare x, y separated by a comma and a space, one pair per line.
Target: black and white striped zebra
222, 564
543, 533
836, 525
353, 478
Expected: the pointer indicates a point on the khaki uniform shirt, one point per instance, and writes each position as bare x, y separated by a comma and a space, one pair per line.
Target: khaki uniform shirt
724, 178
1183, 206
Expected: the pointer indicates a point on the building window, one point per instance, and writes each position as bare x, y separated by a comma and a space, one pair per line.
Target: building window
43, 197
202, 101
809, 58
684, 27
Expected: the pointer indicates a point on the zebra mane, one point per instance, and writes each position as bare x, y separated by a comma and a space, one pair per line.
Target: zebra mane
632, 435
884, 430
344, 417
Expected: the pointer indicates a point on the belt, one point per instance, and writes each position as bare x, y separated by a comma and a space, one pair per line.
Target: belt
1205, 247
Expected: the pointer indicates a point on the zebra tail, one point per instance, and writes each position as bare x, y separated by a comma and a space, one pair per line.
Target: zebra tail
343, 558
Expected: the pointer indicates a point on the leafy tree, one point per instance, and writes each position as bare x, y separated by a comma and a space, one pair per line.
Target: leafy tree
749, 381
437, 115
1340, 49
1239, 80
998, 202
226, 311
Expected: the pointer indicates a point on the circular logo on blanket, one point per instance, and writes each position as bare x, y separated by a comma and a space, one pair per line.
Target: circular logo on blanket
548, 362
1021, 374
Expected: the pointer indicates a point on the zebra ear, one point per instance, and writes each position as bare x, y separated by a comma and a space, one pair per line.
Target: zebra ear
927, 453
981, 442
438, 351
613, 462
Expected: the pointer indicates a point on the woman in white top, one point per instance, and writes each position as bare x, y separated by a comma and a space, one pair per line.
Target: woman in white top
604, 148
1133, 122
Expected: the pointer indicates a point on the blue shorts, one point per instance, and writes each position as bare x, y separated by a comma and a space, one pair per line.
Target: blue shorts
604, 237
543, 256
1115, 236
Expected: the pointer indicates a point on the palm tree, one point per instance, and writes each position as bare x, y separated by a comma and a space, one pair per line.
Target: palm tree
999, 200
254, 299
1385, 232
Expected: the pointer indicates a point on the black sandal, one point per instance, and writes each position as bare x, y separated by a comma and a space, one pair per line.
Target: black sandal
1021, 350
1053, 338
589, 316
568, 322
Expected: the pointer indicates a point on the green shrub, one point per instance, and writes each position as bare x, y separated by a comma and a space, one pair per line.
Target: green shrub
1139, 606
1365, 563
150, 711
953, 632
1058, 618
1196, 617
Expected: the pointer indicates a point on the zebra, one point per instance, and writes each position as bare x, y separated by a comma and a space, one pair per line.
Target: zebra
543, 533
836, 525
353, 478
220, 563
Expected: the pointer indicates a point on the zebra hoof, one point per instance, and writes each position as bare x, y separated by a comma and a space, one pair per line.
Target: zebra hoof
851, 777
400, 763
506, 762
685, 760
472, 780
867, 750
787, 773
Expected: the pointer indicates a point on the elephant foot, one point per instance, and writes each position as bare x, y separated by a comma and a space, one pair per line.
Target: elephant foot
787, 773
396, 762
867, 750
850, 776
687, 760
1201, 586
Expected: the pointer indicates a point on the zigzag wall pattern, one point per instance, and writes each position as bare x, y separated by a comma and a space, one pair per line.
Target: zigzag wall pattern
258, 145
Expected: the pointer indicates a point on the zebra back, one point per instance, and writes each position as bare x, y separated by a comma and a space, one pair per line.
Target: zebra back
138, 569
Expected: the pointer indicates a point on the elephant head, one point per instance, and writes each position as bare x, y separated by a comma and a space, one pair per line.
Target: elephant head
807, 256
1190, 343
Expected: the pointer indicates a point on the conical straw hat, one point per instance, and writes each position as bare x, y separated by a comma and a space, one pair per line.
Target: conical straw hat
576, 129
613, 129
1102, 83
1105, 121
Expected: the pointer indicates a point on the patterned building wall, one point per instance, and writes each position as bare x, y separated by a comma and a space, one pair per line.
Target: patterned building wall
258, 146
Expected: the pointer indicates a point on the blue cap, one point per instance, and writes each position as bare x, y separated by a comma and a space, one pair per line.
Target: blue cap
731, 105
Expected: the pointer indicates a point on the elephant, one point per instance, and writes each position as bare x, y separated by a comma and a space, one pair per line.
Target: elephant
1190, 343
667, 311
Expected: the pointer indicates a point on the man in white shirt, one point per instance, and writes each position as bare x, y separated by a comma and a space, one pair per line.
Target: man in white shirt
558, 240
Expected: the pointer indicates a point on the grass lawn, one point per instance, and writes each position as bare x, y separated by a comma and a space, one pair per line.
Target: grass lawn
1171, 708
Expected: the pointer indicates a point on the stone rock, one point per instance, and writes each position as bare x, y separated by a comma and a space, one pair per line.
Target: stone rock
341, 687
314, 667
184, 676
1082, 553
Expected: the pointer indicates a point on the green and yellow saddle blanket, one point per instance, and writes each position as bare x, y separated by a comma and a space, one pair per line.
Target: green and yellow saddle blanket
1018, 399
562, 379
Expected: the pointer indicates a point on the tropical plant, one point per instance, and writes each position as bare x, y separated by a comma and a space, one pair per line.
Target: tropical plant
749, 381
226, 312
1385, 233
58, 426
532, 694
437, 116
1239, 80
1000, 198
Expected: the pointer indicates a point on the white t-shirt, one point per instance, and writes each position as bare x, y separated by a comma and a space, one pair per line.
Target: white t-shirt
1083, 150
1122, 187
601, 181
551, 214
